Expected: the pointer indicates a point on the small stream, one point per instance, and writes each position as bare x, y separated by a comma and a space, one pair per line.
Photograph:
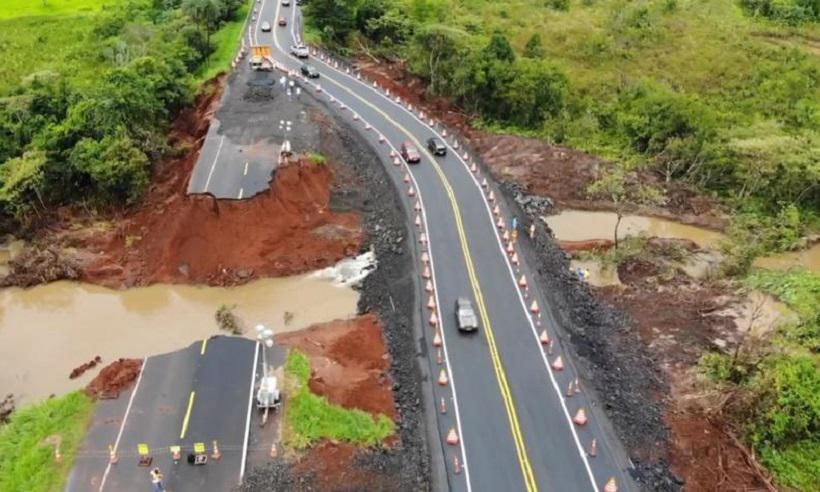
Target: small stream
48, 330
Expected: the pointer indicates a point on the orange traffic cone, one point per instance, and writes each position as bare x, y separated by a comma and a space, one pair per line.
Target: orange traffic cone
429, 286
544, 338
484, 183
534, 309
392, 153
411, 192
522, 282
437, 340
611, 486
418, 220
396, 161
433, 319
442, 378
473, 168
423, 238
500, 223
426, 272
515, 259
417, 206
216, 454
558, 364
491, 196
425, 258
431, 304
496, 210
112, 455
505, 236
452, 437
510, 248
406, 177
580, 417
593, 448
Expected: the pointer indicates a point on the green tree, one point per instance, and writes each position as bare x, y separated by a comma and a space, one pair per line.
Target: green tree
335, 18
536, 92
22, 181
206, 13
115, 167
534, 48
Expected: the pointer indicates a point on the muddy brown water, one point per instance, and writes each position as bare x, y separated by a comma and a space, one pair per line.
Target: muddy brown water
583, 225
48, 330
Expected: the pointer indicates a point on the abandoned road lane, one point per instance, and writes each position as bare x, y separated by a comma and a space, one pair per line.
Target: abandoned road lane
515, 420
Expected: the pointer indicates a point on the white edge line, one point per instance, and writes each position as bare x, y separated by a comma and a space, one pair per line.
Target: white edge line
124, 419
213, 164
248, 418
465, 466
561, 398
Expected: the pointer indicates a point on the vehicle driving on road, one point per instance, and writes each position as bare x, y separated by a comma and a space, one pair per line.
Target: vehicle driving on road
465, 315
286, 3
410, 153
266, 26
436, 146
299, 51
309, 71
283, 21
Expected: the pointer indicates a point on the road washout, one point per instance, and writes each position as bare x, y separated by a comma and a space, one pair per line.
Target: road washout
639, 358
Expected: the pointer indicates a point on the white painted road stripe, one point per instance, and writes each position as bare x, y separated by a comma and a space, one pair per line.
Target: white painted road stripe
124, 419
248, 419
213, 164
245, 173
241, 193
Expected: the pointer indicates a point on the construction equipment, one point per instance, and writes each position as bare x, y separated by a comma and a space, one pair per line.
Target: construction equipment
261, 59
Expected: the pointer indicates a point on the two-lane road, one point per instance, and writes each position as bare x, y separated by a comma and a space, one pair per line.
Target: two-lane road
512, 413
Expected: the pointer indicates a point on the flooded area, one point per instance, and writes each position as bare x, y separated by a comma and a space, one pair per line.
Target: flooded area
582, 225
809, 259
48, 330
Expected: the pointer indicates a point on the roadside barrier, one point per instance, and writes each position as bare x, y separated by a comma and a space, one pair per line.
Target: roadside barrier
580, 417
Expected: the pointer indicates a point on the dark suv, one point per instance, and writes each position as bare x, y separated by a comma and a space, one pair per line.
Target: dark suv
310, 71
436, 146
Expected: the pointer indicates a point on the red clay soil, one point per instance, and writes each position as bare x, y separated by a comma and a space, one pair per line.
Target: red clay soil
560, 173
173, 237
114, 378
349, 363
333, 467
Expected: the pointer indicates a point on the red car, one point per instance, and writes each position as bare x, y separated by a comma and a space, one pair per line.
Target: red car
410, 153
283, 22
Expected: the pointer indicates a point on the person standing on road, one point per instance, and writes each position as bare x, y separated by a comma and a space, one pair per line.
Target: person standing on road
156, 480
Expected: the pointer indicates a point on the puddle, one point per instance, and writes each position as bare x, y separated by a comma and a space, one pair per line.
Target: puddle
808, 259
581, 225
48, 330
596, 274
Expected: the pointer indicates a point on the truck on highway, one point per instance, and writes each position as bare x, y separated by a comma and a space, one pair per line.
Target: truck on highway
268, 396
260, 59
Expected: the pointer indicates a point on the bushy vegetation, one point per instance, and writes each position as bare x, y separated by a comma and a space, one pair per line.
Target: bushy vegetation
27, 443
788, 11
778, 385
310, 417
699, 92
86, 126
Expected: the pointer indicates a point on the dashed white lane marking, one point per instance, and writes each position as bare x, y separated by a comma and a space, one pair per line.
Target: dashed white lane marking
241, 193
213, 164
124, 420
245, 173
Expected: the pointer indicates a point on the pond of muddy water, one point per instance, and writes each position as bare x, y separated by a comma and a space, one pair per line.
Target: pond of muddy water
48, 330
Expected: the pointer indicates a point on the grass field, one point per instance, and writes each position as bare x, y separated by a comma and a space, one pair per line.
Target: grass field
309, 417
22, 8
26, 457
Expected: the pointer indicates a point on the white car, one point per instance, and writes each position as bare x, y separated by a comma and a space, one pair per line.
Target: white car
266, 26
299, 51
465, 315
285, 3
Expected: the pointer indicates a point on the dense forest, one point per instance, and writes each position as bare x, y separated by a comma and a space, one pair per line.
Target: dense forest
88, 128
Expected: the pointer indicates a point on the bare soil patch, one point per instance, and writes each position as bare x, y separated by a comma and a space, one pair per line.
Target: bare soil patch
114, 378
349, 363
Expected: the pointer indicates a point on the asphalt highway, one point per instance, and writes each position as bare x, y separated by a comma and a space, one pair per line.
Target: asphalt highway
504, 401
200, 394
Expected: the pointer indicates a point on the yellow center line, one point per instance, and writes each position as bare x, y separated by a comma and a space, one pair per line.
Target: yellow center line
501, 377
204, 346
187, 415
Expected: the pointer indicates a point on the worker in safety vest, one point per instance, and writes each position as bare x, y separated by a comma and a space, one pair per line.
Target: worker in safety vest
156, 480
